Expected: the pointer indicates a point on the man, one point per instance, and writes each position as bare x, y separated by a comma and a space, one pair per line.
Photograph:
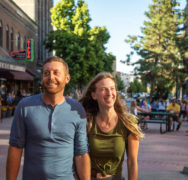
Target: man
52, 131
174, 108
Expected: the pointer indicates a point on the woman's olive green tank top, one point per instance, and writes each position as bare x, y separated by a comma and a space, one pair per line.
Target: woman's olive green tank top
107, 149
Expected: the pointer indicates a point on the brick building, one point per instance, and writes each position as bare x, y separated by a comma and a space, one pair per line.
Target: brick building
39, 11
22, 20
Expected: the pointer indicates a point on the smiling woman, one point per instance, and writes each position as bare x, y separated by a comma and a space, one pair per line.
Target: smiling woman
111, 129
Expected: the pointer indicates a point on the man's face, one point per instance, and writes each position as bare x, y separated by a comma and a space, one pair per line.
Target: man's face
54, 77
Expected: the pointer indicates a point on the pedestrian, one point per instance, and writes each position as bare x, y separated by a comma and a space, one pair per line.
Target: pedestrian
111, 130
51, 129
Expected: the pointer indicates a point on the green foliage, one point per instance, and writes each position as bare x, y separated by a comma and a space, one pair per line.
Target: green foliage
81, 46
120, 84
162, 46
137, 86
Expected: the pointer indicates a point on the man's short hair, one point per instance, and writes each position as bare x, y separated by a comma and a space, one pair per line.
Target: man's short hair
57, 59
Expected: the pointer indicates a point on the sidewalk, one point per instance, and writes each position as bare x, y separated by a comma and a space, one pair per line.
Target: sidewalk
5, 125
161, 156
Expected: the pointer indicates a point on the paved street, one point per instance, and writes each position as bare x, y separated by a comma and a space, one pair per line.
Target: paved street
161, 156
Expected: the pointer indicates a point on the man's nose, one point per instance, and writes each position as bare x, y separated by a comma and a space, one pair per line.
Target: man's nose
51, 75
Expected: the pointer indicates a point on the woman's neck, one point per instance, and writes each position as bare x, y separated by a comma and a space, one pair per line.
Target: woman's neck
107, 114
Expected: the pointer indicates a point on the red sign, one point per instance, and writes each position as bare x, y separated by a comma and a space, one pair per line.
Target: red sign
18, 54
28, 49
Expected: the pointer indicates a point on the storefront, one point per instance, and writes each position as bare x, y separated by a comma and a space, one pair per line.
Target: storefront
14, 77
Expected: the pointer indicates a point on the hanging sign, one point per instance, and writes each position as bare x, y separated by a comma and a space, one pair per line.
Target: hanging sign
25, 54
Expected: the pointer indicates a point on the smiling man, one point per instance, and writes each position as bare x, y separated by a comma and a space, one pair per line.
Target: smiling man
52, 131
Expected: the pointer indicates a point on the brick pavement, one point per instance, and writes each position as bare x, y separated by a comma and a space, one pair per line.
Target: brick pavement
161, 156
5, 125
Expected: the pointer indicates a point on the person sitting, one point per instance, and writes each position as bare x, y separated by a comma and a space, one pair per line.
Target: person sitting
147, 109
161, 106
134, 108
174, 108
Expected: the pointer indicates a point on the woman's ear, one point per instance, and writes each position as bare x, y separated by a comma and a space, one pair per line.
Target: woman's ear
93, 95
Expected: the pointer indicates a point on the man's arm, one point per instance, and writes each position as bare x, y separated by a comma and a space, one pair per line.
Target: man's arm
83, 166
13, 162
132, 154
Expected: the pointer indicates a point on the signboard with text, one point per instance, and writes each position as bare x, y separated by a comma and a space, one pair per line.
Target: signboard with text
18, 55
25, 54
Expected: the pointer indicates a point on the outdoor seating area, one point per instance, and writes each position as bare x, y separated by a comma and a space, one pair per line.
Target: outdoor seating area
157, 118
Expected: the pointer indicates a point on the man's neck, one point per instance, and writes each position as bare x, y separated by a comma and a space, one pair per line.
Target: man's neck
53, 99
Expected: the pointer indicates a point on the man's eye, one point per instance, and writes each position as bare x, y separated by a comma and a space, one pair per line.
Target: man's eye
46, 73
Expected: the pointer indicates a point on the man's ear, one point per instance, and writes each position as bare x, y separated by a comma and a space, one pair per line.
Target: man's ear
67, 78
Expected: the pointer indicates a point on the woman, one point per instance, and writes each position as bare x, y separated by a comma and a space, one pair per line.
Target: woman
134, 108
111, 130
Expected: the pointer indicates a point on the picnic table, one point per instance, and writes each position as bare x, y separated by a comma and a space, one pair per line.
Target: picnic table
157, 117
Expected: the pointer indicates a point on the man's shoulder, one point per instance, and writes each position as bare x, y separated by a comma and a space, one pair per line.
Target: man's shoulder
73, 102
30, 99
75, 105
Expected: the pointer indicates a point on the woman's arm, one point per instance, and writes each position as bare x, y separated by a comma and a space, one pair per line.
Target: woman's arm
132, 154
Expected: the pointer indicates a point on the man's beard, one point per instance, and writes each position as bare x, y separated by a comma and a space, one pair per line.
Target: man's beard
53, 91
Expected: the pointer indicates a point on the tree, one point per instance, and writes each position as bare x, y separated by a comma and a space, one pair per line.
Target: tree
137, 86
81, 46
161, 47
120, 83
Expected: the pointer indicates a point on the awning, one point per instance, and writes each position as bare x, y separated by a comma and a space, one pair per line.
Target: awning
16, 75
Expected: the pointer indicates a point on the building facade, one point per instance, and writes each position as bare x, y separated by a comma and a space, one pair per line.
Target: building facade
20, 21
16, 27
39, 11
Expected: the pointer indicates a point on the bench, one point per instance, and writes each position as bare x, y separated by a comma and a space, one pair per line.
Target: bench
156, 121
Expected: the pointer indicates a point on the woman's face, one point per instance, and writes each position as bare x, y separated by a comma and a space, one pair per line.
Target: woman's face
105, 93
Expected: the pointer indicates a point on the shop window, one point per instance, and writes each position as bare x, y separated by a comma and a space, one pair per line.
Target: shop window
1, 34
7, 37
12, 40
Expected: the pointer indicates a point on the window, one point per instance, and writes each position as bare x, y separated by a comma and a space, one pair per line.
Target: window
1, 34
24, 45
7, 37
12, 40
19, 41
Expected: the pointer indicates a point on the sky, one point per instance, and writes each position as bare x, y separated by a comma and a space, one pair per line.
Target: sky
121, 18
